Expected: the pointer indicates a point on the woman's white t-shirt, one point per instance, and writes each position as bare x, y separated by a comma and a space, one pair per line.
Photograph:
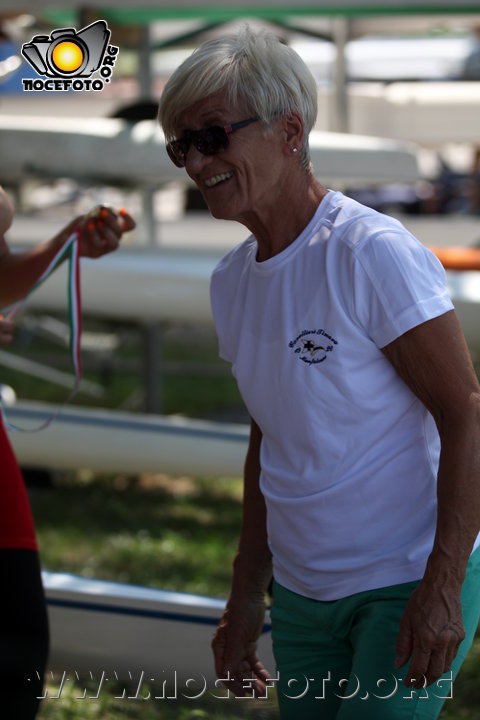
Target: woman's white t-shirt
349, 455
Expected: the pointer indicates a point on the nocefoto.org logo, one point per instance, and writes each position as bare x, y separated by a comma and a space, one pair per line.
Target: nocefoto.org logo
70, 58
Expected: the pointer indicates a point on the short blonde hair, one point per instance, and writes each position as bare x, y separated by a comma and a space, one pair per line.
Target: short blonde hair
255, 69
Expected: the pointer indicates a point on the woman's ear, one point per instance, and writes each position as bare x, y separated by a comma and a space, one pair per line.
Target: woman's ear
294, 131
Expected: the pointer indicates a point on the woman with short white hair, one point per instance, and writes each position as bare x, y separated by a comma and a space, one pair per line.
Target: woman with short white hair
362, 475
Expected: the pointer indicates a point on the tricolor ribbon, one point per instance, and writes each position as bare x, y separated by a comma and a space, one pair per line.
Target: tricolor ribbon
71, 250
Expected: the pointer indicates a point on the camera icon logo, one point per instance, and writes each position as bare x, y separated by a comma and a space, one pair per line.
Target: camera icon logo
67, 53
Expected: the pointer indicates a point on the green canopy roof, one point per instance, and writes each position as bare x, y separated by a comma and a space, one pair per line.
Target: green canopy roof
126, 12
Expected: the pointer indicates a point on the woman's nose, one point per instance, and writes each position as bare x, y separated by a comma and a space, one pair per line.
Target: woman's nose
195, 159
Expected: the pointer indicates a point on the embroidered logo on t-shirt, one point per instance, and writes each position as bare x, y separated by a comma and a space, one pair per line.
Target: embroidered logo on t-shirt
312, 346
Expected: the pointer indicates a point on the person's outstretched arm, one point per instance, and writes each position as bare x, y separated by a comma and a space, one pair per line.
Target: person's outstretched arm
100, 232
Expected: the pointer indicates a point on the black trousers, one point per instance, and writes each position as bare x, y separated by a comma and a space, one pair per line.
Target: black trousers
24, 634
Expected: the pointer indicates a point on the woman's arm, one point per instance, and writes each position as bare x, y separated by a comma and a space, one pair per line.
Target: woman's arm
235, 642
433, 360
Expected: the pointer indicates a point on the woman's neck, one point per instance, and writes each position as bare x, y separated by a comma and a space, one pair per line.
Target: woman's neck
276, 230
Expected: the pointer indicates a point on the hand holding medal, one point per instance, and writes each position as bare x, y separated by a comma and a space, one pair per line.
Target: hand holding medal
92, 235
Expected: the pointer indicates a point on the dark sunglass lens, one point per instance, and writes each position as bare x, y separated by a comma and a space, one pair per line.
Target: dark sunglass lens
211, 140
208, 141
178, 149
175, 155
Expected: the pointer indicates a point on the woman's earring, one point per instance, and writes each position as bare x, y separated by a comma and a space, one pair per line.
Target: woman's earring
294, 150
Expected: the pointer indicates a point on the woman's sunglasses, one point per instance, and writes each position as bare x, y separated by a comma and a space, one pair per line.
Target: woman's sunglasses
208, 141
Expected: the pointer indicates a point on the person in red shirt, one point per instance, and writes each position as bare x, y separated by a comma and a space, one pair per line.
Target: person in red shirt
23, 615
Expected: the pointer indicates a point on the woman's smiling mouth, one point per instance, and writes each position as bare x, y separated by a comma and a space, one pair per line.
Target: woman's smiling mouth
216, 179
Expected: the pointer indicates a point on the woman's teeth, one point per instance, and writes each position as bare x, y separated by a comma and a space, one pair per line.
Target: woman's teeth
211, 182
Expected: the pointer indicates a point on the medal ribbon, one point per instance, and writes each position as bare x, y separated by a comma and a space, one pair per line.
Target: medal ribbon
71, 250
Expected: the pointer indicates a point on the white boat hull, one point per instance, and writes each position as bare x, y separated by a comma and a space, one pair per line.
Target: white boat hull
107, 150
464, 288
134, 633
143, 287
112, 441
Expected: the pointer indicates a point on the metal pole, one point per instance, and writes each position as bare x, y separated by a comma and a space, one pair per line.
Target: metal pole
145, 88
148, 222
144, 64
341, 31
153, 383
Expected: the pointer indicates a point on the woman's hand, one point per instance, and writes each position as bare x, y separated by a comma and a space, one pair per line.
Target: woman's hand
431, 630
235, 647
102, 229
